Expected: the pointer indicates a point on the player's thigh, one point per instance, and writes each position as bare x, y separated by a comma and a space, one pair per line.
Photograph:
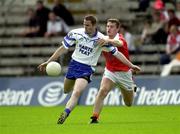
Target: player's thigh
68, 84
80, 85
127, 94
106, 85
126, 85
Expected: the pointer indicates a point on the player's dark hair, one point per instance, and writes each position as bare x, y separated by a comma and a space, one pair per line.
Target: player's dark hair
91, 18
116, 21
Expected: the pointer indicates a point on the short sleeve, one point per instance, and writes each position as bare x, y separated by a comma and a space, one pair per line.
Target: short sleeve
69, 40
110, 48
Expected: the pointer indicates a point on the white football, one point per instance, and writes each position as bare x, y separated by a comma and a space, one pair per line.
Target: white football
53, 68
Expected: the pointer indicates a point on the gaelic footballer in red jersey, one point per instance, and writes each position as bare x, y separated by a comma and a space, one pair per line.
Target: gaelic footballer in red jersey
116, 73
112, 63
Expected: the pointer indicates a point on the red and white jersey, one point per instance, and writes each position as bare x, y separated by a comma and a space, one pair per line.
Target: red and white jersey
112, 63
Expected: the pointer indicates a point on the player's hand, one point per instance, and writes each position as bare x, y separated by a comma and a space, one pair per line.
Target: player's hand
135, 69
102, 42
42, 67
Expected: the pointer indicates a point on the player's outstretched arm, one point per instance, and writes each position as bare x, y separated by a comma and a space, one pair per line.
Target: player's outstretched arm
113, 42
61, 50
124, 60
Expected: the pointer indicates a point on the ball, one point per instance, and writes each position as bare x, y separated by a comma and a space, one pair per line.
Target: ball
53, 68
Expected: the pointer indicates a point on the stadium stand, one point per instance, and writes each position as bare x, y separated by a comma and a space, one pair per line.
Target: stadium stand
20, 56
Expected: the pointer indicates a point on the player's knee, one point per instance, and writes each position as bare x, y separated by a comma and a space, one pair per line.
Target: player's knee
77, 93
66, 91
128, 104
103, 92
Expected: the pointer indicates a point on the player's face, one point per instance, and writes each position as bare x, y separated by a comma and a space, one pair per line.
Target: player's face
111, 29
89, 28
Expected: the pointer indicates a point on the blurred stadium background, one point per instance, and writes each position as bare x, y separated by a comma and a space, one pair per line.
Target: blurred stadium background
21, 83
20, 56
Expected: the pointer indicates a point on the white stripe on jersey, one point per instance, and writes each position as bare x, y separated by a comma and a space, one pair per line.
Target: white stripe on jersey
87, 51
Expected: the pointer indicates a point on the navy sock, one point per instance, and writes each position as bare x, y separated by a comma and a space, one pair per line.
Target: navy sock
67, 111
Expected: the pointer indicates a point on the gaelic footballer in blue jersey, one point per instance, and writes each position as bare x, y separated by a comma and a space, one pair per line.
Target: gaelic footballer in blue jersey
84, 59
87, 51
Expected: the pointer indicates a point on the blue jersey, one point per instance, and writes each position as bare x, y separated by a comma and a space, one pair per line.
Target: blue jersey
87, 51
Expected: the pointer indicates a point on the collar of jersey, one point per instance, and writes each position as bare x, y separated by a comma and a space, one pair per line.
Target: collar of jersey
95, 34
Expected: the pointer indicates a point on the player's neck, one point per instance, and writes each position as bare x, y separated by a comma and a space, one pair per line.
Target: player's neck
93, 33
111, 36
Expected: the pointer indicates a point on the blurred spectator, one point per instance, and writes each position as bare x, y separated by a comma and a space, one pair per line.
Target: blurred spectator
128, 37
170, 1
143, 6
42, 14
173, 40
173, 20
177, 5
145, 37
159, 6
60, 10
56, 26
155, 31
172, 45
32, 28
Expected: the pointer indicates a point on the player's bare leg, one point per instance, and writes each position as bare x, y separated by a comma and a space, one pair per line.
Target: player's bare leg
105, 87
68, 85
79, 87
128, 96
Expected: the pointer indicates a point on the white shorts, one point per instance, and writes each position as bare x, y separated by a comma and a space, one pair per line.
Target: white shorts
121, 79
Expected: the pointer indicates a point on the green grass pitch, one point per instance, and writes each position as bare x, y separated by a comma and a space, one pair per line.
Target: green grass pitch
113, 120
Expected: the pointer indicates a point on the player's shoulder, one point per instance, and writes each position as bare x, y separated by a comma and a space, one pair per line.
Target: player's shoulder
120, 36
77, 30
101, 35
73, 33
106, 37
